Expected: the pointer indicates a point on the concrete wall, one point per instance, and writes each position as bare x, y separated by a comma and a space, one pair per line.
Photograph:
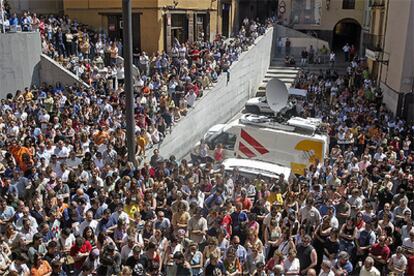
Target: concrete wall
224, 100
19, 61
52, 72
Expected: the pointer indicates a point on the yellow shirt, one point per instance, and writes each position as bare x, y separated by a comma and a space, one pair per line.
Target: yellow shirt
273, 197
131, 209
29, 96
142, 143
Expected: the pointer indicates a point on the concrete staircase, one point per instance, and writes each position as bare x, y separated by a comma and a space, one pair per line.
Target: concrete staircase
287, 74
280, 71
340, 66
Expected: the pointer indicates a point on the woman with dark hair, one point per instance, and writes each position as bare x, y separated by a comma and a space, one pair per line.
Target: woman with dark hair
347, 235
331, 246
89, 235
322, 233
272, 234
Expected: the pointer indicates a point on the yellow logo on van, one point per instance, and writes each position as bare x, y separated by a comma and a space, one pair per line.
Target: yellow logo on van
312, 151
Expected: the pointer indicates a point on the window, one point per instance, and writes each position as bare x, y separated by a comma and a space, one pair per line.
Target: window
228, 141
348, 4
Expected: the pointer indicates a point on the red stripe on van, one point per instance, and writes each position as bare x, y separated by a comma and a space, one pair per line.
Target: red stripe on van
253, 142
246, 150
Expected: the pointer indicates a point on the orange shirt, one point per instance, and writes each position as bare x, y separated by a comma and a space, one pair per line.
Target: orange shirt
100, 137
17, 153
43, 269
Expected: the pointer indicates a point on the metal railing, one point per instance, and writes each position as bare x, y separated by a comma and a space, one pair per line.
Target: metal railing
377, 3
373, 42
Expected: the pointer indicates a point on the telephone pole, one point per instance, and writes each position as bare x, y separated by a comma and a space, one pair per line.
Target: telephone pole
128, 88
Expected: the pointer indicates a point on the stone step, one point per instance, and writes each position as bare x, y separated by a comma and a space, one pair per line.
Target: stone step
284, 73
283, 69
282, 79
280, 76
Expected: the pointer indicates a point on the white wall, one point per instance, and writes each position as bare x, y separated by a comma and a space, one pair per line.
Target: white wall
223, 101
52, 72
19, 61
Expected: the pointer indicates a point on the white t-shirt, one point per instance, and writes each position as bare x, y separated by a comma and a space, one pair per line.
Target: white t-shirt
191, 98
373, 272
408, 244
400, 263
93, 224
346, 48
330, 273
68, 242
289, 266
21, 269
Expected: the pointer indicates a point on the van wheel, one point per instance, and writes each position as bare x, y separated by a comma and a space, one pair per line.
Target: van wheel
252, 109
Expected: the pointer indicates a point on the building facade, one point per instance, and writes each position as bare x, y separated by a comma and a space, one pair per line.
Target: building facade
157, 23
396, 58
37, 6
373, 34
336, 21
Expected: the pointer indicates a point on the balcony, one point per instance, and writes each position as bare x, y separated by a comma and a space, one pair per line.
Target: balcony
377, 3
373, 42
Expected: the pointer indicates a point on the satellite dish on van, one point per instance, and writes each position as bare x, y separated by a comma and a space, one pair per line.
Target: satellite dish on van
277, 95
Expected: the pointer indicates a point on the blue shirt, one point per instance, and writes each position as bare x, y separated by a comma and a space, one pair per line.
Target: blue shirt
7, 213
213, 199
241, 253
13, 21
347, 266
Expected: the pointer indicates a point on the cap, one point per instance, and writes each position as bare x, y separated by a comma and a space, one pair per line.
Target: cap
110, 247
95, 252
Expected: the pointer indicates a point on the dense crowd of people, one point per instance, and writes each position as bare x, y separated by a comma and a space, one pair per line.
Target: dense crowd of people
168, 84
72, 204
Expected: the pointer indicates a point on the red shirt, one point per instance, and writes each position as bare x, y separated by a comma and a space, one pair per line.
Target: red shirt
410, 265
74, 250
226, 223
383, 251
247, 203
195, 54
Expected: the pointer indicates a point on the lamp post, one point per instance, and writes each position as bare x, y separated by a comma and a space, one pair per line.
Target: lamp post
128, 88
3, 28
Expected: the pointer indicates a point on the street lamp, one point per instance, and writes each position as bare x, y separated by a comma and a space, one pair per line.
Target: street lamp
3, 28
128, 88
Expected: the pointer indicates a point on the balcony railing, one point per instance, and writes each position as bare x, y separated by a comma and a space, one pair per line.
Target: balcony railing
373, 42
377, 3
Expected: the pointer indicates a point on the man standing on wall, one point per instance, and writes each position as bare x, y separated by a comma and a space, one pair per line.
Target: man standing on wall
287, 46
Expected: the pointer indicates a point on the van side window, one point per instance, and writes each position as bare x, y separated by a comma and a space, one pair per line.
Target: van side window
231, 141
228, 141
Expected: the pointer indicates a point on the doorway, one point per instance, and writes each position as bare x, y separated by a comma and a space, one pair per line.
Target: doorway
179, 28
116, 28
346, 31
225, 19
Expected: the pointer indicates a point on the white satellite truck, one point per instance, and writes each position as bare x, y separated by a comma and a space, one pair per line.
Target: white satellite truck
295, 143
258, 105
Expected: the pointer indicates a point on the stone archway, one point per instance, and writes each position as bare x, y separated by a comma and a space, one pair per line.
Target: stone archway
346, 31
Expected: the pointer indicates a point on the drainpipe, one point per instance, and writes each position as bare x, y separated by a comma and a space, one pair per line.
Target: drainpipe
383, 44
